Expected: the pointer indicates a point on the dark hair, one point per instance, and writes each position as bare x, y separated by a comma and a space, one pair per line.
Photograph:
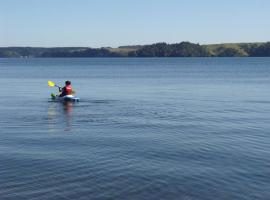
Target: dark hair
68, 82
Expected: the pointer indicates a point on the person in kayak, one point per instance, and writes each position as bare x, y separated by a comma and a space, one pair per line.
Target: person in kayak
67, 90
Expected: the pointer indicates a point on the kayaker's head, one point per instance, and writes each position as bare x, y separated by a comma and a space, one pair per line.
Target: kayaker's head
68, 83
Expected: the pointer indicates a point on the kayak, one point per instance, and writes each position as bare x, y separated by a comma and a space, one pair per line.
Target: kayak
67, 98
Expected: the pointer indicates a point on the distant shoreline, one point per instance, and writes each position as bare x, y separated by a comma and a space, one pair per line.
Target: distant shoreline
183, 49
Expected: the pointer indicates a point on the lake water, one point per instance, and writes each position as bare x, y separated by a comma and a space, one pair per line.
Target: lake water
170, 128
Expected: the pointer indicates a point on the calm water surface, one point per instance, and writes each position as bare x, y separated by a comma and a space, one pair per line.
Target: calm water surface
153, 128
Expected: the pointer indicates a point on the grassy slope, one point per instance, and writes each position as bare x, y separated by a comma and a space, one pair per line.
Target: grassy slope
123, 51
241, 47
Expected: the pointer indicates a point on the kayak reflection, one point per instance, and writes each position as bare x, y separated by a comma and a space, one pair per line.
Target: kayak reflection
68, 108
60, 116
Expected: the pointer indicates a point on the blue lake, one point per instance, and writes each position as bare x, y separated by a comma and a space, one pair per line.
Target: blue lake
147, 128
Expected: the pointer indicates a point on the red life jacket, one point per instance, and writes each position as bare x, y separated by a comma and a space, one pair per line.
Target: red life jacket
68, 90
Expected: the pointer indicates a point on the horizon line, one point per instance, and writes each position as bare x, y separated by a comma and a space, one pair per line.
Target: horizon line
128, 45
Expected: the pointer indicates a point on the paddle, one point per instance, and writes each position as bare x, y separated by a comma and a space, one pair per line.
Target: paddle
52, 84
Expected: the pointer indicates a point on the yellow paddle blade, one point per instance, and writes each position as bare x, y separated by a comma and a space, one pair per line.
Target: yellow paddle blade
51, 84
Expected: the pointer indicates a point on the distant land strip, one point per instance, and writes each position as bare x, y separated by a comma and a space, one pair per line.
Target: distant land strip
183, 49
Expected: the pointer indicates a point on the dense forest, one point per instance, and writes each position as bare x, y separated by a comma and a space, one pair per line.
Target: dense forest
183, 49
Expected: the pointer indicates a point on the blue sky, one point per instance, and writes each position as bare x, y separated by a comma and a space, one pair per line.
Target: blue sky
97, 23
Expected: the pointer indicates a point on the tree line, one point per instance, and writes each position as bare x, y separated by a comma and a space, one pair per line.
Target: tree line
183, 49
